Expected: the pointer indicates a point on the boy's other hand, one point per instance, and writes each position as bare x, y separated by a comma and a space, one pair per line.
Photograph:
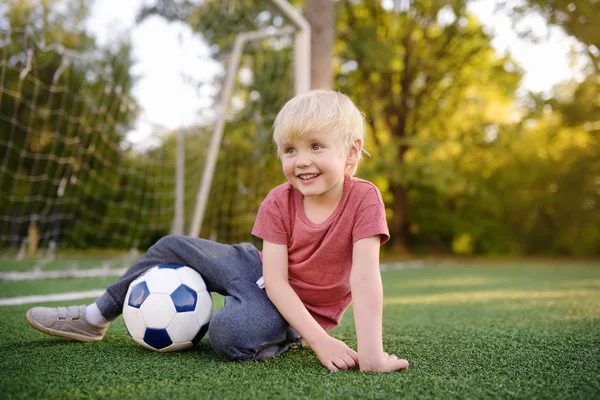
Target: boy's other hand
386, 363
335, 354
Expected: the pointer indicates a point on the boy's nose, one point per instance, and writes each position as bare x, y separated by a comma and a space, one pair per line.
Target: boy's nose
303, 160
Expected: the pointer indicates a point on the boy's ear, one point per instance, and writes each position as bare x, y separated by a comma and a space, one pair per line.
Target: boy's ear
354, 153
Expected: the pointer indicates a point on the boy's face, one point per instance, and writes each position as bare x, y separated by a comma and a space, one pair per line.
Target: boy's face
315, 165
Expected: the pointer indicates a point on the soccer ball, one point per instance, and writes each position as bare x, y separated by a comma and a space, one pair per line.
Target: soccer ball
167, 308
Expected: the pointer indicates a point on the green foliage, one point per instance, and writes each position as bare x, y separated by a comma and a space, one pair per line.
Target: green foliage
65, 107
549, 184
464, 168
216, 21
578, 18
430, 88
463, 164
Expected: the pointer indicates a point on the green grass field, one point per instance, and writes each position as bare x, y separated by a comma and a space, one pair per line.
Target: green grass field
527, 330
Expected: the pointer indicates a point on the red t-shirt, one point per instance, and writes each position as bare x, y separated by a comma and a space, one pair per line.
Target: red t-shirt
320, 255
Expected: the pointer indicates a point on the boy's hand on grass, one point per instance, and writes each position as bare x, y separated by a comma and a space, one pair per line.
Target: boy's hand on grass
384, 363
335, 354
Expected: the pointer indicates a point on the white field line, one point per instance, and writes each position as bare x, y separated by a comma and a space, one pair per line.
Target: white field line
103, 272
15, 301
70, 273
73, 273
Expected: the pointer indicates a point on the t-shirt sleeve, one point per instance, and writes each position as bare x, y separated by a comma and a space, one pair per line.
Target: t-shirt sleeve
269, 223
370, 218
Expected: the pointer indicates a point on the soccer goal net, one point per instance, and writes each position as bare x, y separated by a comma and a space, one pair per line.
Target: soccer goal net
85, 161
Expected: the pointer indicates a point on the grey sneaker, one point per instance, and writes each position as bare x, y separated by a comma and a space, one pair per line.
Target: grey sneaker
68, 322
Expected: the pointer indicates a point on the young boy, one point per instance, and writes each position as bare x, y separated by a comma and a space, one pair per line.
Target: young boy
321, 234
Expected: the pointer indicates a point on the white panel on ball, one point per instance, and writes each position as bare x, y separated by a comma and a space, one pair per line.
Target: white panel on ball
158, 310
163, 280
135, 323
203, 311
183, 328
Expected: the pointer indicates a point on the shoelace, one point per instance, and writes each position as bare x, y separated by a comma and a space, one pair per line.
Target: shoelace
75, 313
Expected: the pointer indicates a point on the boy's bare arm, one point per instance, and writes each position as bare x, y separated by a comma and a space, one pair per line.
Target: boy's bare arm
333, 353
367, 303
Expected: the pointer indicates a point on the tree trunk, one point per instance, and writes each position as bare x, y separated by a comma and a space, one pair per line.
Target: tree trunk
399, 222
321, 16
399, 226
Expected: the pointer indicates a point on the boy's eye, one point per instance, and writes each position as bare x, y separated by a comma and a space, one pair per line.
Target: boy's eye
316, 146
289, 150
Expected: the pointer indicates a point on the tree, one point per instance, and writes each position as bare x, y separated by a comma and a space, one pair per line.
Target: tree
564, 211
578, 18
321, 17
61, 91
427, 77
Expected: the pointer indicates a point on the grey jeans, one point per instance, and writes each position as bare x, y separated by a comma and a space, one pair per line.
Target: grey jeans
248, 327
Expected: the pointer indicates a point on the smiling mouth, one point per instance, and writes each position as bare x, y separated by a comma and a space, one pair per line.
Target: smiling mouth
307, 177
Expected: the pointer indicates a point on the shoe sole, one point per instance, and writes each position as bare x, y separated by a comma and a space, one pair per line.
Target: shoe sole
68, 335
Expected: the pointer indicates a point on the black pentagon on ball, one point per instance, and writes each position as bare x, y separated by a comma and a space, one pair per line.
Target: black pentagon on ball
138, 294
184, 298
170, 266
157, 338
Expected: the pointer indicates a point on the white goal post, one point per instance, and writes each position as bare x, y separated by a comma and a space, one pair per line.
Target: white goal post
301, 31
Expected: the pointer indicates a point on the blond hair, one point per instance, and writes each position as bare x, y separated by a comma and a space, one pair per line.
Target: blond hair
324, 112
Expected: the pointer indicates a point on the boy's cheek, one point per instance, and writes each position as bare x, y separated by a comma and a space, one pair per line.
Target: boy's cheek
288, 170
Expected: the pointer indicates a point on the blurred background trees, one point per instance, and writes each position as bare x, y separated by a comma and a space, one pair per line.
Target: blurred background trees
468, 162
465, 167
58, 85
